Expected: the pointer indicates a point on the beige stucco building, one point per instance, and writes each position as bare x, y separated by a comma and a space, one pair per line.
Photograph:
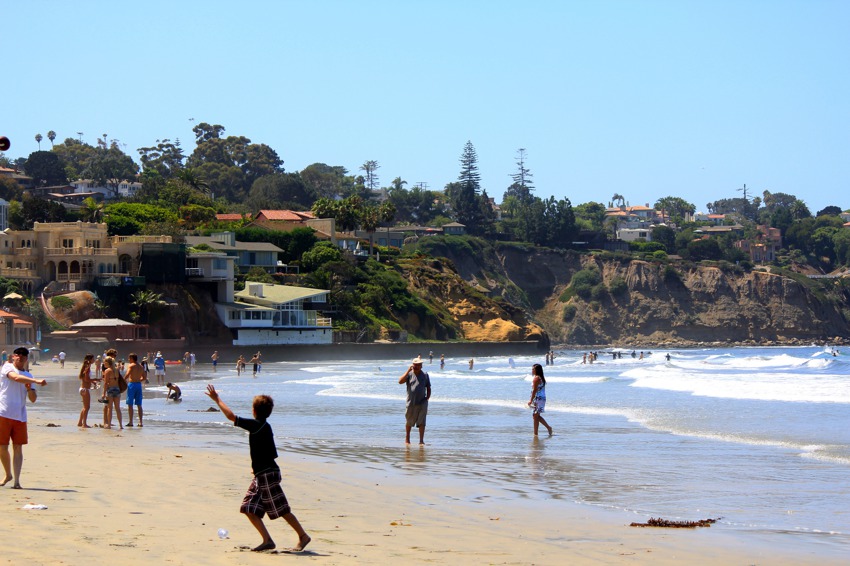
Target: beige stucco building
69, 255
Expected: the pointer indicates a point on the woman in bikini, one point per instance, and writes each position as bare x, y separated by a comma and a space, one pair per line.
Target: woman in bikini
538, 398
86, 381
111, 392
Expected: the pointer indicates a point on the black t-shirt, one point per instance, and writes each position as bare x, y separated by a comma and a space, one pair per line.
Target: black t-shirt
261, 442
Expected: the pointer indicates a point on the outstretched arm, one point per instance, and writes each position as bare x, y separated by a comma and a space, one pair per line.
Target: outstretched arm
225, 410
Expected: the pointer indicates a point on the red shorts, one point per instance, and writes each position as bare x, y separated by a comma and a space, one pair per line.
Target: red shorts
13, 430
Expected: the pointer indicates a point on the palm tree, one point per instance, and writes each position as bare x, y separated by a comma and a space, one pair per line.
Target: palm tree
618, 197
194, 180
38, 139
147, 300
51, 135
91, 211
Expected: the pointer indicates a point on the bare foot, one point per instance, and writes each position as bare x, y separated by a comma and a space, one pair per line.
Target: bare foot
17, 486
550, 431
265, 546
302, 542
86, 426
7, 480
140, 425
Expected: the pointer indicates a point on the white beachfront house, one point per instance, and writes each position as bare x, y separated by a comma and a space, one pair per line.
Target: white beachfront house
265, 314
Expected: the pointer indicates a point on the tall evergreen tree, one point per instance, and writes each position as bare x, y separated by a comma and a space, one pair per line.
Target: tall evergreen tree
464, 195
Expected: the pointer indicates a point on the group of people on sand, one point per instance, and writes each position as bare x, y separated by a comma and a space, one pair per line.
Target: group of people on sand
114, 378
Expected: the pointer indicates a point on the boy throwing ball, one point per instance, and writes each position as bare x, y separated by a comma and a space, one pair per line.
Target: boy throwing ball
265, 494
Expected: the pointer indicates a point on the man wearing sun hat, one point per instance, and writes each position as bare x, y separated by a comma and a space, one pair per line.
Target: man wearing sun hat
159, 368
418, 393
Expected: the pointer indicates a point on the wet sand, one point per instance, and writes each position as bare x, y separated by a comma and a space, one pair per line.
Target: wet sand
151, 496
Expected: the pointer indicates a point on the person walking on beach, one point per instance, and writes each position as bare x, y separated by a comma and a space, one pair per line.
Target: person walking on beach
86, 381
15, 388
418, 392
538, 398
265, 494
111, 392
62, 356
240, 365
135, 376
442, 361
159, 368
255, 361
214, 359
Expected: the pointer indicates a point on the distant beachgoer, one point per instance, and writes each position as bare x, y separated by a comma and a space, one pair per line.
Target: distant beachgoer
192, 360
240, 365
431, 357
174, 392
159, 368
135, 376
214, 358
255, 362
4, 356
62, 355
511, 363
641, 356
584, 359
668, 356
538, 398
471, 363
418, 392
442, 361
86, 381
186, 361
16, 386
633, 354
265, 494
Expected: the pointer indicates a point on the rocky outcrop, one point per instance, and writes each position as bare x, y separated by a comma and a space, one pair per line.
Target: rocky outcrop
673, 303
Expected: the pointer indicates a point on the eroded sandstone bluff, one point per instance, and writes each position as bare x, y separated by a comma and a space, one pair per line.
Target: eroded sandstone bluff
662, 302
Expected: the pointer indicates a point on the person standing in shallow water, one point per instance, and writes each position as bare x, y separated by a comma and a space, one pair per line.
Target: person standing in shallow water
538, 398
418, 392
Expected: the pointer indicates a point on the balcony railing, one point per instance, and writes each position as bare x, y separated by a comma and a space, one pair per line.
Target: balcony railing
80, 251
140, 240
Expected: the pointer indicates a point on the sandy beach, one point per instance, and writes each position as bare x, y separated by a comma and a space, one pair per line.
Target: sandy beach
151, 496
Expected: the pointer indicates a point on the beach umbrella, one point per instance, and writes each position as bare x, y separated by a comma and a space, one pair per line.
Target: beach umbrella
12, 296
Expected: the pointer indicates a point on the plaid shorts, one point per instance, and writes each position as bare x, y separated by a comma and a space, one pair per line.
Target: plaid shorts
266, 496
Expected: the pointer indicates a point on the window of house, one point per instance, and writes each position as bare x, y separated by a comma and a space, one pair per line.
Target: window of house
219, 264
67, 242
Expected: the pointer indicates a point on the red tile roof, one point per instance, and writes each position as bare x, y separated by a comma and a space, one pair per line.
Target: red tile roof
285, 215
228, 217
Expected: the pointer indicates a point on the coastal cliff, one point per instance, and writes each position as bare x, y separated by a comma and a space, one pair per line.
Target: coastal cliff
633, 302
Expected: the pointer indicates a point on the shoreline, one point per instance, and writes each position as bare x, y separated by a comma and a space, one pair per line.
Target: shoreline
156, 494
355, 513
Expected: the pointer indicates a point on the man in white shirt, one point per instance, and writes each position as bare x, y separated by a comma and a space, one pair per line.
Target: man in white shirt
15, 387
62, 359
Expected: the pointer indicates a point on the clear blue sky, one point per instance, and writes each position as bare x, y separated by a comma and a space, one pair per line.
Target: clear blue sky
643, 98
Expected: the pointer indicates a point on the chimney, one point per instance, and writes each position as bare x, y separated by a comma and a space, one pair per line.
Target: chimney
256, 290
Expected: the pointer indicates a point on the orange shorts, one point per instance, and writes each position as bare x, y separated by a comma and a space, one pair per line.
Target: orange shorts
13, 430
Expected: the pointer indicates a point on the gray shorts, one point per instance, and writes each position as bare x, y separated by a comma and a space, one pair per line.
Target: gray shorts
113, 392
416, 414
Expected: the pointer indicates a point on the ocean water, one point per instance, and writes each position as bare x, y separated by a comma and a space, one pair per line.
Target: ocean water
758, 437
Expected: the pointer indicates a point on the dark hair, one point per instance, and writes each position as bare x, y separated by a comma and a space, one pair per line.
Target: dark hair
132, 357
21, 352
263, 405
537, 370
